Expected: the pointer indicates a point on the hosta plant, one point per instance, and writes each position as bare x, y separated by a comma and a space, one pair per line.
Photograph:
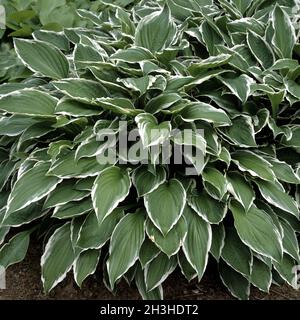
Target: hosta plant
226, 72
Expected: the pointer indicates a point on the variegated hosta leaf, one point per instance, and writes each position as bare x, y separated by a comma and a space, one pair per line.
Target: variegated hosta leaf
241, 133
236, 254
157, 271
146, 181
254, 164
236, 283
110, 188
240, 189
214, 183
40, 185
155, 294
43, 58
148, 252
132, 55
28, 102
85, 265
93, 235
206, 112
81, 89
156, 31
199, 235
64, 193
15, 250
239, 86
66, 167
171, 243
150, 131
58, 257
218, 240
257, 230
260, 49
165, 205
211, 210
277, 196
125, 245
284, 33
261, 276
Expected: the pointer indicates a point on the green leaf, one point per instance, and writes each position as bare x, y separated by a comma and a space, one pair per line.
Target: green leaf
127, 237
294, 141
141, 84
286, 269
75, 108
169, 198
42, 57
260, 49
186, 269
156, 31
93, 235
214, 183
162, 102
212, 62
132, 55
58, 257
28, 102
284, 33
146, 181
59, 40
190, 138
157, 271
65, 166
240, 189
81, 89
237, 255
293, 88
203, 111
257, 230
171, 243
84, 184
85, 265
240, 86
155, 294
86, 54
209, 209
290, 242
148, 252
237, 284
3, 233
15, 125
63, 194
199, 236
40, 184
254, 164
73, 209
283, 171
118, 106
15, 250
285, 64
110, 188
218, 240
150, 131
241, 133
277, 197
24, 216
261, 276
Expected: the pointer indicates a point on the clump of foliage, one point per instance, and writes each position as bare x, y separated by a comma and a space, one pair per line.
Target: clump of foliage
24, 17
230, 68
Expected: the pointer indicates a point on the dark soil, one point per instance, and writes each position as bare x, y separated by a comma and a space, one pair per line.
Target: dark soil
23, 282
